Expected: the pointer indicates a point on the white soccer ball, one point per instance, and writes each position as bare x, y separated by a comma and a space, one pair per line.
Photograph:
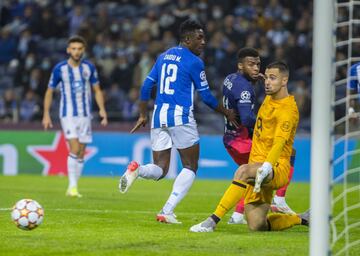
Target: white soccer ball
27, 214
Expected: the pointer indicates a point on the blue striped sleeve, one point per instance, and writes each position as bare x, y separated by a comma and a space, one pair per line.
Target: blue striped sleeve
55, 77
94, 77
208, 98
198, 76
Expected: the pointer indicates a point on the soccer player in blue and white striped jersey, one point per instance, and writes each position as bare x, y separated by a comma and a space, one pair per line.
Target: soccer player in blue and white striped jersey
354, 86
355, 77
75, 77
178, 73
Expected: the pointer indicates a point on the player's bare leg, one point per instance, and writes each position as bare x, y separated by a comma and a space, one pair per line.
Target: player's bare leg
256, 216
72, 163
154, 171
259, 218
232, 195
183, 182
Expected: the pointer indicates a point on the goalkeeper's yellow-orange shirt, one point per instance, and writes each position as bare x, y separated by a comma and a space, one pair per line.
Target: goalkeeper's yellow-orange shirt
275, 119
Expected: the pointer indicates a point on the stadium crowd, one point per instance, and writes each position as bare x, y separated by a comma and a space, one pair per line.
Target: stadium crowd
125, 36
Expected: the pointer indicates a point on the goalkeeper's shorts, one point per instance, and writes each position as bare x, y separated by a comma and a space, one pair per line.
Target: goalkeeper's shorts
281, 178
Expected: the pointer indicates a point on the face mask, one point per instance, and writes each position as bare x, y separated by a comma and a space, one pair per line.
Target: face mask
45, 65
108, 50
114, 28
144, 61
126, 27
217, 13
123, 66
29, 63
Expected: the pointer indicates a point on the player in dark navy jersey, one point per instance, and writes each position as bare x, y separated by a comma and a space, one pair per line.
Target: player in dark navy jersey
177, 73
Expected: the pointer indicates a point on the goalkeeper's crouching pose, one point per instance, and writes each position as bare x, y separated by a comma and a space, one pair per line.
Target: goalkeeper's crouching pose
269, 164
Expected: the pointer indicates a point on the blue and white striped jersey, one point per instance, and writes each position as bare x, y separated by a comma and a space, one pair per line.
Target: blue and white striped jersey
355, 77
75, 87
178, 73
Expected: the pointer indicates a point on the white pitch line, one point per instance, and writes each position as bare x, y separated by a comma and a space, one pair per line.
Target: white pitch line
108, 211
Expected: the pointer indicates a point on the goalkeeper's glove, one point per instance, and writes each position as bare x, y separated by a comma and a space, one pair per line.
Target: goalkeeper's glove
261, 174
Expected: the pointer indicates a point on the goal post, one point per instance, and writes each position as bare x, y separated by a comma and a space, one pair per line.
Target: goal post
323, 54
335, 134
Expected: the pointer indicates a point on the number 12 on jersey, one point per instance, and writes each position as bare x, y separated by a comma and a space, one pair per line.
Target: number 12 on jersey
168, 75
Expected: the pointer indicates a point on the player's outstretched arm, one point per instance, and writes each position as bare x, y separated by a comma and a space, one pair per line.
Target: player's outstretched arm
229, 113
46, 121
99, 98
142, 120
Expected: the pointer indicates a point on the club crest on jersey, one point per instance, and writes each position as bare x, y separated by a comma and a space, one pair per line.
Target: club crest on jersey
245, 97
285, 126
86, 74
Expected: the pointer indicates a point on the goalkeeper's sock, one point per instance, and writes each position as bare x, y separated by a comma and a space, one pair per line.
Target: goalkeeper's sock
232, 195
72, 166
150, 171
181, 186
280, 221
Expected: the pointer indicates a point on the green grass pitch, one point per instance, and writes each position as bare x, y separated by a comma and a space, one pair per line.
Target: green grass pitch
105, 222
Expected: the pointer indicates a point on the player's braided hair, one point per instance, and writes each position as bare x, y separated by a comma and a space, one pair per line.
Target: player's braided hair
188, 26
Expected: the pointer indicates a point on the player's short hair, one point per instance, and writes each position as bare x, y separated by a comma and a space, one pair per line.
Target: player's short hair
188, 26
76, 39
281, 65
247, 52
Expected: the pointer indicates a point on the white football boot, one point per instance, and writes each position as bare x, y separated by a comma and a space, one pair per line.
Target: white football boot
130, 175
237, 218
305, 218
167, 218
206, 226
279, 205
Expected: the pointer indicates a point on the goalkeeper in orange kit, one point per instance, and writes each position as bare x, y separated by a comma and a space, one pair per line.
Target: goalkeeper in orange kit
269, 163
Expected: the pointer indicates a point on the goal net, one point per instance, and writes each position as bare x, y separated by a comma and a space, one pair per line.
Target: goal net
345, 162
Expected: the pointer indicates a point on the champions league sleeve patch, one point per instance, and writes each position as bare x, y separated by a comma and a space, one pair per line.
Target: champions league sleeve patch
203, 78
245, 97
202, 75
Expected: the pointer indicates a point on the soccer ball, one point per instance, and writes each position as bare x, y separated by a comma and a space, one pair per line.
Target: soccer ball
27, 214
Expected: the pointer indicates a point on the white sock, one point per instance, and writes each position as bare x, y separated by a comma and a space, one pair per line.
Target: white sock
80, 167
279, 199
72, 166
150, 171
181, 186
237, 215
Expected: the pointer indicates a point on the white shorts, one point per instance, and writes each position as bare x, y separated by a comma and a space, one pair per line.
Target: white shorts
182, 136
77, 128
